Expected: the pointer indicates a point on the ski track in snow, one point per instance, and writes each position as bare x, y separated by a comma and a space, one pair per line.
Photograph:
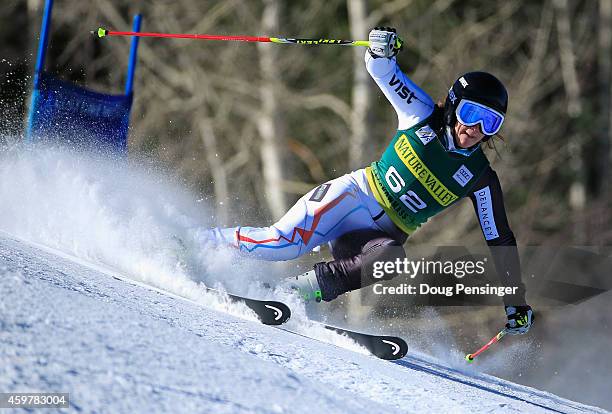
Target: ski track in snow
120, 347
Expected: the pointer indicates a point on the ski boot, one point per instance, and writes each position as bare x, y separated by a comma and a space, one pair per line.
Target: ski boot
306, 286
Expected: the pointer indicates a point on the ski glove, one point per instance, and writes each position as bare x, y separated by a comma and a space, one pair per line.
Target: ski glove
384, 42
520, 319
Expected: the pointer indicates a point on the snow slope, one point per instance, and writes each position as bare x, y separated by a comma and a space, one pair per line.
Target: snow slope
100, 296
115, 346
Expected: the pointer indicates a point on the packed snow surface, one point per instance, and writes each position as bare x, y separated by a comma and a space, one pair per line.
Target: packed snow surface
117, 346
101, 297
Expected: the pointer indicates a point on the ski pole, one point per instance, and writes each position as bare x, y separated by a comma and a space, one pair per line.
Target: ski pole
101, 32
496, 338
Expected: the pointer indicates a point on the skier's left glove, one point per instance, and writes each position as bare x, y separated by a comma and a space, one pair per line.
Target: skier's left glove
384, 42
520, 319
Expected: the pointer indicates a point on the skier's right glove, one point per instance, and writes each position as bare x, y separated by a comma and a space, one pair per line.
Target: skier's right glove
384, 42
520, 319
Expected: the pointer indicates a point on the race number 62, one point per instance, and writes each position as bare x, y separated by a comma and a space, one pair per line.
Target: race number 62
396, 184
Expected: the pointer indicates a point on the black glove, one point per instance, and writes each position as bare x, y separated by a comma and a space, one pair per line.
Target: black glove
520, 319
384, 42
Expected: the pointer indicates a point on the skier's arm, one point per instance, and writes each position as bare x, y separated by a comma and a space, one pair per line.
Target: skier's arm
488, 202
411, 103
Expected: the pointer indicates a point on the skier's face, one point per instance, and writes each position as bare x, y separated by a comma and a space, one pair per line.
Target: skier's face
468, 136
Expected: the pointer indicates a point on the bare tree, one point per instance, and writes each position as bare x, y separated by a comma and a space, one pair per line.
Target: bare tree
269, 123
577, 192
604, 60
218, 172
361, 90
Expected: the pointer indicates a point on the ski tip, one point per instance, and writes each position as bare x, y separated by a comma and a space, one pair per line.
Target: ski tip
280, 313
469, 358
390, 348
269, 312
101, 32
399, 348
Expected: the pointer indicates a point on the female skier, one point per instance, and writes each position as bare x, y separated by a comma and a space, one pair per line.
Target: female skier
434, 160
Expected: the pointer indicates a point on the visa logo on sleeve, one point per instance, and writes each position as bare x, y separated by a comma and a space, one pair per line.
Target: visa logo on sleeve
425, 134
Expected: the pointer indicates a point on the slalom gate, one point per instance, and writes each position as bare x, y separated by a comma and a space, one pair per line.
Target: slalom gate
66, 113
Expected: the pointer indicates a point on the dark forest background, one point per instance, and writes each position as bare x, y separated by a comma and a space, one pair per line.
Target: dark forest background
256, 125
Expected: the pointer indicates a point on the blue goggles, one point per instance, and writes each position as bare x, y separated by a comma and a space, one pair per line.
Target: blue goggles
470, 113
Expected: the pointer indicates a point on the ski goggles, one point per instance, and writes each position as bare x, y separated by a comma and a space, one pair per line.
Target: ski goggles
470, 113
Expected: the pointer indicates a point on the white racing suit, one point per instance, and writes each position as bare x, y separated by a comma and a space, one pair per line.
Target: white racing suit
341, 212
344, 213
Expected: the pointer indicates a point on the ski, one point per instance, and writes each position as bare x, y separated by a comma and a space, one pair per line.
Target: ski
381, 346
270, 312
385, 347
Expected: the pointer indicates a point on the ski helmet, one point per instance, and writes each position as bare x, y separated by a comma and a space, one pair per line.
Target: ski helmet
480, 87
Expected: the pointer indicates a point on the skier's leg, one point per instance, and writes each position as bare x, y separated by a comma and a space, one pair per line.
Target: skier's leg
324, 214
349, 272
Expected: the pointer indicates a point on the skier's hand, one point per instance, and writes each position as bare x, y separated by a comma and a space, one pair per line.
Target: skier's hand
520, 319
384, 42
